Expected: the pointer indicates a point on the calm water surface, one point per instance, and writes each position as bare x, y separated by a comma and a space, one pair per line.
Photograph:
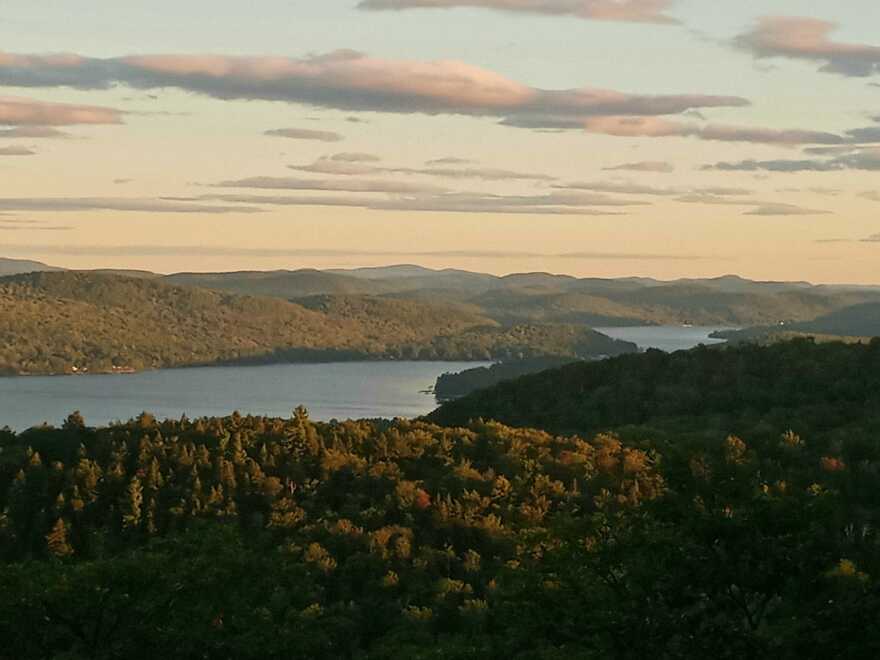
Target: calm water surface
665, 338
337, 390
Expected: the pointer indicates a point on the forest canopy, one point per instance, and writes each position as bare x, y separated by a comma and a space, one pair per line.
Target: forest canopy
741, 522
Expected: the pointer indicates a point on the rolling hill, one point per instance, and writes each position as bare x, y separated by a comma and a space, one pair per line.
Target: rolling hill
20, 266
78, 321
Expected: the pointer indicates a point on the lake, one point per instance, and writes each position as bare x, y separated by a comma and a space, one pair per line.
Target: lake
340, 390
665, 337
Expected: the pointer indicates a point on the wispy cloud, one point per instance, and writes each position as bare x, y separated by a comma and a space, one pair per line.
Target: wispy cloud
865, 159
643, 166
136, 205
16, 111
336, 185
639, 11
355, 157
305, 134
16, 151
334, 166
631, 188
555, 203
659, 127
449, 160
809, 39
33, 133
784, 209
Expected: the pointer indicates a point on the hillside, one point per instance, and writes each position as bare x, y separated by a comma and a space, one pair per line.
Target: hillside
20, 266
802, 382
547, 298
728, 508
79, 321
854, 322
279, 284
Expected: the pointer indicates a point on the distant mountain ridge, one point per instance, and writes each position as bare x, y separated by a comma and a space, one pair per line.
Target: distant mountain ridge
76, 321
543, 298
21, 266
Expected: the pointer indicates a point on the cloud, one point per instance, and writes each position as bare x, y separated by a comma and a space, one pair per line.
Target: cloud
556, 203
304, 134
449, 160
16, 151
622, 187
355, 157
864, 159
809, 39
16, 111
660, 127
335, 185
348, 80
32, 133
347, 168
643, 166
66, 204
32, 225
784, 209
330, 166
485, 173
638, 11
630, 188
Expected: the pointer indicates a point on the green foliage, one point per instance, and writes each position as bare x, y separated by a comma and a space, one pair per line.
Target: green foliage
454, 385
743, 389
73, 322
741, 521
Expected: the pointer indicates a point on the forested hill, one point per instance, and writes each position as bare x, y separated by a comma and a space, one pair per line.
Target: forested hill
857, 321
797, 383
283, 539
548, 298
19, 266
76, 321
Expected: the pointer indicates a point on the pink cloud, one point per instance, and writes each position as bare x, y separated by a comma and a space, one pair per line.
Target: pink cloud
348, 80
15, 111
660, 127
639, 11
809, 39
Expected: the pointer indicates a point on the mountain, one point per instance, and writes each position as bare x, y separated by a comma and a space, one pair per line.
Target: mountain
79, 321
20, 266
549, 298
853, 322
280, 284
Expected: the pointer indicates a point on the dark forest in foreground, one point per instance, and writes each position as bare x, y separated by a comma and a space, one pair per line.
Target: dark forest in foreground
716, 505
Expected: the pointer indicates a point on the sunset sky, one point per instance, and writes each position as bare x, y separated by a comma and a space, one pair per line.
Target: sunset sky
664, 138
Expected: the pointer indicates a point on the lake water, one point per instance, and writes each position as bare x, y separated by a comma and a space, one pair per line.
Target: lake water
665, 338
341, 390
337, 390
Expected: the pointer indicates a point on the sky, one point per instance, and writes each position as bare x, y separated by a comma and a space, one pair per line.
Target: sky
606, 138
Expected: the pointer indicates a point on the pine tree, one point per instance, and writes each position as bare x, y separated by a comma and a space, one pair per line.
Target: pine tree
56, 540
131, 507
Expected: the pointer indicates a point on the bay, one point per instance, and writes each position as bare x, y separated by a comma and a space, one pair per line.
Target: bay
344, 390
665, 337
